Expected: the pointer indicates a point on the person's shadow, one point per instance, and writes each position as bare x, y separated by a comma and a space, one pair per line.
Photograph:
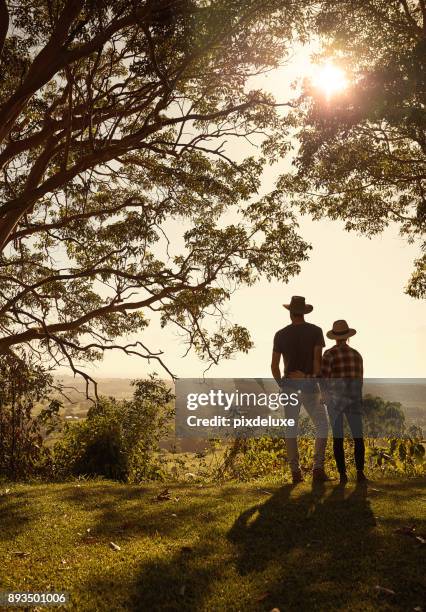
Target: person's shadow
303, 540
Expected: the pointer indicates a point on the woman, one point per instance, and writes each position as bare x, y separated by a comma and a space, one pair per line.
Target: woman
343, 366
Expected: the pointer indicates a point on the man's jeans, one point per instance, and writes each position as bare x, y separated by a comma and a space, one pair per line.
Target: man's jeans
310, 397
344, 398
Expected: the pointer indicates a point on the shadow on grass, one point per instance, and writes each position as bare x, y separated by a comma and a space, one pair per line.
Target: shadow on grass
119, 511
308, 541
271, 543
300, 549
319, 549
15, 517
325, 550
113, 509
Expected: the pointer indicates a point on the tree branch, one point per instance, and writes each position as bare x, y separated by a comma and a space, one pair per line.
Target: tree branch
4, 24
409, 16
39, 334
13, 210
44, 66
33, 229
423, 9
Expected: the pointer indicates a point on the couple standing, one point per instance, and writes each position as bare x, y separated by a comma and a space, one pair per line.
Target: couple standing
341, 372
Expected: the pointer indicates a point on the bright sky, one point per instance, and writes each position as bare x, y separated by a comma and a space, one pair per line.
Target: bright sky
348, 277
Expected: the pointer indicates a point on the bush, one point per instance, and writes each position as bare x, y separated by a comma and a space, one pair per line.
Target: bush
252, 458
382, 418
400, 452
394, 456
118, 439
22, 386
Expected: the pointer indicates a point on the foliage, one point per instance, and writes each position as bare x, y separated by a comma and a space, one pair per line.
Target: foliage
23, 385
253, 458
118, 438
362, 156
260, 458
114, 175
383, 418
391, 449
395, 456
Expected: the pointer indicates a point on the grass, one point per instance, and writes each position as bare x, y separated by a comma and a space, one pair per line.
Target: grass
236, 547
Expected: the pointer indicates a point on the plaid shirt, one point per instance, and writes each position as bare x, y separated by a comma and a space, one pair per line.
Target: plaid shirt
342, 361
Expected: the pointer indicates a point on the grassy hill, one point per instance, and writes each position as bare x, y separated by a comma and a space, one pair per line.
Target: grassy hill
209, 548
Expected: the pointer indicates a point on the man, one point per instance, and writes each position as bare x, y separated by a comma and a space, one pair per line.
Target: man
300, 344
343, 395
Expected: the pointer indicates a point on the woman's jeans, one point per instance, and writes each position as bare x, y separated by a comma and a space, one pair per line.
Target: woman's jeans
344, 398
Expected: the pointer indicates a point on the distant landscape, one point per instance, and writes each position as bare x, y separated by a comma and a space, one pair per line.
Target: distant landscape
411, 393
75, 390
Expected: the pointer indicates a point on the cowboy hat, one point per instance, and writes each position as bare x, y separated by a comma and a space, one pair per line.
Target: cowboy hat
297, 305
340, 331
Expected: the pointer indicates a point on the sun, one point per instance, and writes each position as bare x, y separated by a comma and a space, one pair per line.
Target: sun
329, 79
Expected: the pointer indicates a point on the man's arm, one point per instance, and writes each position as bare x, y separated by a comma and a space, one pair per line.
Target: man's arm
317, 360
325, 374
318, 348
326, 366
275, 366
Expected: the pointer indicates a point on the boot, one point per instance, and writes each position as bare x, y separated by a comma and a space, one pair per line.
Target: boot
318, 475
296, 477
361, 477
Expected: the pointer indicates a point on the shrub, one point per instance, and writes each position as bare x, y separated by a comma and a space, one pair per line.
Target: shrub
22, 386
395, 456
252, 458
118, 439
400, 452
382, 418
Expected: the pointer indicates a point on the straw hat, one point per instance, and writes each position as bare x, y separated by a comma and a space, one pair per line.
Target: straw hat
340, 331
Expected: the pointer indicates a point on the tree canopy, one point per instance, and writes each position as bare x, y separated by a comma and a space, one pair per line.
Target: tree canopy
114, 118
362, 156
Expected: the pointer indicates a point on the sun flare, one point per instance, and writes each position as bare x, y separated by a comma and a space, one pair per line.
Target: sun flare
329, 79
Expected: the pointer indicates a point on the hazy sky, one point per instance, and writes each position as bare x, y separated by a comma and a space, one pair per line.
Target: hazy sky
347, 276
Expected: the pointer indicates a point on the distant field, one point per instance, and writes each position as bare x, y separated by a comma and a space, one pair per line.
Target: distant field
75, 390
412, 396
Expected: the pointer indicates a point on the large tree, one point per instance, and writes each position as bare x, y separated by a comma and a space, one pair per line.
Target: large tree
362, 156
113, 121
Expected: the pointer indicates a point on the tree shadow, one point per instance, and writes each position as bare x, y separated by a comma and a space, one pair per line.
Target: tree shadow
15, 517
119, 511
18, 509
178, 582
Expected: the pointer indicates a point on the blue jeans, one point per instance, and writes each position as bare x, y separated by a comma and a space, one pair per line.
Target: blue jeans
346, 401
310, 397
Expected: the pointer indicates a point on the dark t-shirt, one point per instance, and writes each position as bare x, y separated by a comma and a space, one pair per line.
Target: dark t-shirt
296, 343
